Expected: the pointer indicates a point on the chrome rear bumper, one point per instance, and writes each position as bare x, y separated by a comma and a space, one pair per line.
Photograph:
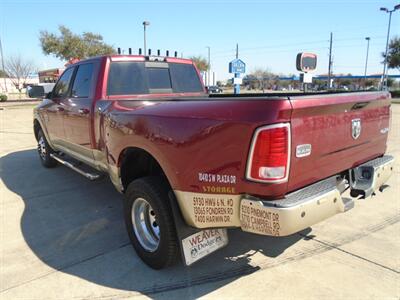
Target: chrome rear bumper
310, 205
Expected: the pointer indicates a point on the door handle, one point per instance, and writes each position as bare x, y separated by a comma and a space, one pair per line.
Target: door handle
83, 111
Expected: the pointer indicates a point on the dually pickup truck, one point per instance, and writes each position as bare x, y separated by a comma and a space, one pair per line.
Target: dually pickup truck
191, 165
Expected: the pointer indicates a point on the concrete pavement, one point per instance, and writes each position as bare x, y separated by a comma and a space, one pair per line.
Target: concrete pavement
63, 237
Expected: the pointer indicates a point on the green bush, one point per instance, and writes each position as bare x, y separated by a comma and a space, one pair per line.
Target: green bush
395, 94
3, 98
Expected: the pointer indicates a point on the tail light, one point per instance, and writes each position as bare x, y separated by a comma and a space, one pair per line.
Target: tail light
270, 154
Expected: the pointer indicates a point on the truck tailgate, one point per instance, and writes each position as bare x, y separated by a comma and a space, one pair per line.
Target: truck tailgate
325, 123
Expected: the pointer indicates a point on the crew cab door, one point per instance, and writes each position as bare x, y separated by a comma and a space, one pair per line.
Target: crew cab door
55, 110
78, 112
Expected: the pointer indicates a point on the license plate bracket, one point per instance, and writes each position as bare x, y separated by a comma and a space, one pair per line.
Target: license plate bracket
203, 243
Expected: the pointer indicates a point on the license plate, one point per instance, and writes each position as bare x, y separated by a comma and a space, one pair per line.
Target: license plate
203, 243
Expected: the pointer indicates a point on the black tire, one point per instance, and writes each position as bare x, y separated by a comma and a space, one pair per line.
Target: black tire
44, 151
153, 190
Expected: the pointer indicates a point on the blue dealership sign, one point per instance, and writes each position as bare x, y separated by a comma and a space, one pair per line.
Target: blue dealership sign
237, 66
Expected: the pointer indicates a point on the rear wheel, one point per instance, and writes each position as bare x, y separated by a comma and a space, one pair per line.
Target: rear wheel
149, 222
44, 151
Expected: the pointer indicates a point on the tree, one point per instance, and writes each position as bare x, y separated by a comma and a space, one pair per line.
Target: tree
393, 58
200, 62
261, 79
68, 45
18, 70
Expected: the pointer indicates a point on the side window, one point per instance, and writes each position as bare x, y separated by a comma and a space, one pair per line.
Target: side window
61, 88
83, 81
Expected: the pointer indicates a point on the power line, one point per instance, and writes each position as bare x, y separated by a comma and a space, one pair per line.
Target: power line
274, 46
248, 49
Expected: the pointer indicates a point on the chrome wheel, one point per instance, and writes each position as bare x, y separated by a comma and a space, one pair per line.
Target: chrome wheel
145, 224
42, 148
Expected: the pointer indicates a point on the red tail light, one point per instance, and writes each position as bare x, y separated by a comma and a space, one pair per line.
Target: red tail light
270, 154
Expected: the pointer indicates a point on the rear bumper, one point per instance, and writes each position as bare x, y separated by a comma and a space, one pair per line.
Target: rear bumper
311, 204
297, 211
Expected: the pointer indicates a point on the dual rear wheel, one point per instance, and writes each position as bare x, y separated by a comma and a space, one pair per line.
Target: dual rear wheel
149, 221
147, 213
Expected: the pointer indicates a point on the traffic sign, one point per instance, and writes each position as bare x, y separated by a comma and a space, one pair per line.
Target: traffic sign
237, 66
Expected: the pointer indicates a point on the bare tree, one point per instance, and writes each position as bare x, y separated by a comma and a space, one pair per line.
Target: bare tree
264, 77
18, 70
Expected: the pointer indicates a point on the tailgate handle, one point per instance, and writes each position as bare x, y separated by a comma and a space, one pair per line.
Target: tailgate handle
359, 105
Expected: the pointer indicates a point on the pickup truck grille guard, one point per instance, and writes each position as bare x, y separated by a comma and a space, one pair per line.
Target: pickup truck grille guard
298, 210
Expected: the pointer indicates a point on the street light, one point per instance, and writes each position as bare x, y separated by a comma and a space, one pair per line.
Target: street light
384, 74
209, 66
366, 61
145, 23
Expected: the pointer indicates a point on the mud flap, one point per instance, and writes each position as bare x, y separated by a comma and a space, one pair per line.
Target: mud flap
195, 243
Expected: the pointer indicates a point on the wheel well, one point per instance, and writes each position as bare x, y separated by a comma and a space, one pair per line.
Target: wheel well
36, 128
137, 163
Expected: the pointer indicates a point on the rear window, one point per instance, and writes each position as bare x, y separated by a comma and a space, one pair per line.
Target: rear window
185, 78
126, 78
133, 78
158, 78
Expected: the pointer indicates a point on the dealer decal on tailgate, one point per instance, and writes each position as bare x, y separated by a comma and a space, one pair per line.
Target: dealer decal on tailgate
202, 243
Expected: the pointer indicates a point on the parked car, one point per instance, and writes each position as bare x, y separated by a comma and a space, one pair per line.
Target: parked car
39, 90
191, 165
213, 89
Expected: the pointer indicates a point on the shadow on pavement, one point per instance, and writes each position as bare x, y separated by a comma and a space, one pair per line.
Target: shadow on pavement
76, 226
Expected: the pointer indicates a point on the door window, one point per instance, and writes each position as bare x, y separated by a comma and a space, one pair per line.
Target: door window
61, 88
83, 81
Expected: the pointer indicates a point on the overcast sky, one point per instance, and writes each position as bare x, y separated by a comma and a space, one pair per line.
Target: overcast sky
269, 33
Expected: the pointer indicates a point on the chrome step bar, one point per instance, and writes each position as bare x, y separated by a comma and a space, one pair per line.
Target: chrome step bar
89, 176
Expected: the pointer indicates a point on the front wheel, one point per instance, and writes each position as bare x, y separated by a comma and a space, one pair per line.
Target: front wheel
149, 221
44, 151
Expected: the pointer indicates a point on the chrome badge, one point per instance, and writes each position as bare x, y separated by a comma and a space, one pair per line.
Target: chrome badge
303, 150
355, 128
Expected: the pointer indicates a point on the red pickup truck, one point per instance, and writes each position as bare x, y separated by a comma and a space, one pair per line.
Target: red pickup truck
191, 165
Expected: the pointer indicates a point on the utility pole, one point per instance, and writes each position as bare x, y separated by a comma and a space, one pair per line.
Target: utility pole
384, 74
145, 23
2, 66
209, 66
330, 62
237, 50
366, 61
237, 67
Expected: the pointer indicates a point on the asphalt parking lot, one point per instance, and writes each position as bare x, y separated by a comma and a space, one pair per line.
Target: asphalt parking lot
63, 236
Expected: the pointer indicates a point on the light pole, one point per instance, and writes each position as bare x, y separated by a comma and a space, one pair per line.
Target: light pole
2, 67
145, 23
209, 66
366, 61
384, 74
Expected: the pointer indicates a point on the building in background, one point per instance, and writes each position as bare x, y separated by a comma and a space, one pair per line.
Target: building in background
7, 86
213, 78
49, 76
